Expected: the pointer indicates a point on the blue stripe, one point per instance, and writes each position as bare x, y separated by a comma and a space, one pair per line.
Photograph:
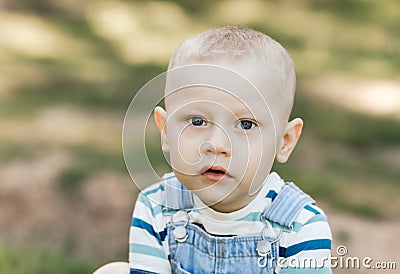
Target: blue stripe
163, 234
307, 245
144, 200
147, 250
317, 218
157, 210
309, 208
290, 270
151, 191
139, 271
282, 251
251, 217
271, 194
136, 222
296, 226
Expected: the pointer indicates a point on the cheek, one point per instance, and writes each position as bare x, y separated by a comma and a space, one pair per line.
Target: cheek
260, 153
268, 140
268, 149
184, 148
259, 145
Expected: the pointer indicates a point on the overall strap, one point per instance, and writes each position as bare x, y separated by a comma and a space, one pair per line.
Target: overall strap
176, 196
287, 205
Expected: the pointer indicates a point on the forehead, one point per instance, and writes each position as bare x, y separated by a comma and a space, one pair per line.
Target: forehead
249, 83
211, 99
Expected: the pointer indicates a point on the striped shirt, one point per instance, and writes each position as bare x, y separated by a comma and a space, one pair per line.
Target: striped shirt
310, 239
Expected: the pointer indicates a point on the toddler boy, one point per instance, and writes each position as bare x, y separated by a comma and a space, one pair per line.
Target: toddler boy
229, 95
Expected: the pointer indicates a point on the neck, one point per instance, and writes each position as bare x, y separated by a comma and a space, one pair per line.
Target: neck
225, 206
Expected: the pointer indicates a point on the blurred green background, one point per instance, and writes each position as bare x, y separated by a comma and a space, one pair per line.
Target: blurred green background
69, 69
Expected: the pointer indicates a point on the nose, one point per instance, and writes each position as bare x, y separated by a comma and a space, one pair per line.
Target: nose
218, 143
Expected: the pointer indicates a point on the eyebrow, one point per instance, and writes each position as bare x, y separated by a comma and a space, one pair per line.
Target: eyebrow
243, 111
239, 111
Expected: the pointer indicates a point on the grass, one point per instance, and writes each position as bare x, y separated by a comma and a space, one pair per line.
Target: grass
63, 89
353, 12
287, 40
331, 189
332, 123
33, 261
87, 161
11, 151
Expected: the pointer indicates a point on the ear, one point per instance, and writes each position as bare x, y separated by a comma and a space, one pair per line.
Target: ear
289, 140
160, 116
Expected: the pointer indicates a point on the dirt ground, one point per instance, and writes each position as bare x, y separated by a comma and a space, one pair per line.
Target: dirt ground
94, 223
363, 238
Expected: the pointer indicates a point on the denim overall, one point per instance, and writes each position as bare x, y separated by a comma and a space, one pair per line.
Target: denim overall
193, 250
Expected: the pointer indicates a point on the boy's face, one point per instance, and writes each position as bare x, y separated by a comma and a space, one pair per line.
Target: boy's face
222, 144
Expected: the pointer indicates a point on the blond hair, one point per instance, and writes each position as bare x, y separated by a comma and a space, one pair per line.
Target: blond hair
236, 42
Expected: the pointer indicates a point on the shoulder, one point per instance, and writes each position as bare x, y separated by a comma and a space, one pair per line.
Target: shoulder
153, 192
147, 246
310, 232
150, 200
309, 244
312, 218
312, 223
308, 214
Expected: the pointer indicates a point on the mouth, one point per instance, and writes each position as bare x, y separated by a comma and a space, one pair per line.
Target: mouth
215, 173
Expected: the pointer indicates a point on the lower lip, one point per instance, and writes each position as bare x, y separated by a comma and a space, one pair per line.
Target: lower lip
214, 177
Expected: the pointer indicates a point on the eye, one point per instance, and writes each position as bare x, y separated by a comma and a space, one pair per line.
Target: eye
247, 124
197, 121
